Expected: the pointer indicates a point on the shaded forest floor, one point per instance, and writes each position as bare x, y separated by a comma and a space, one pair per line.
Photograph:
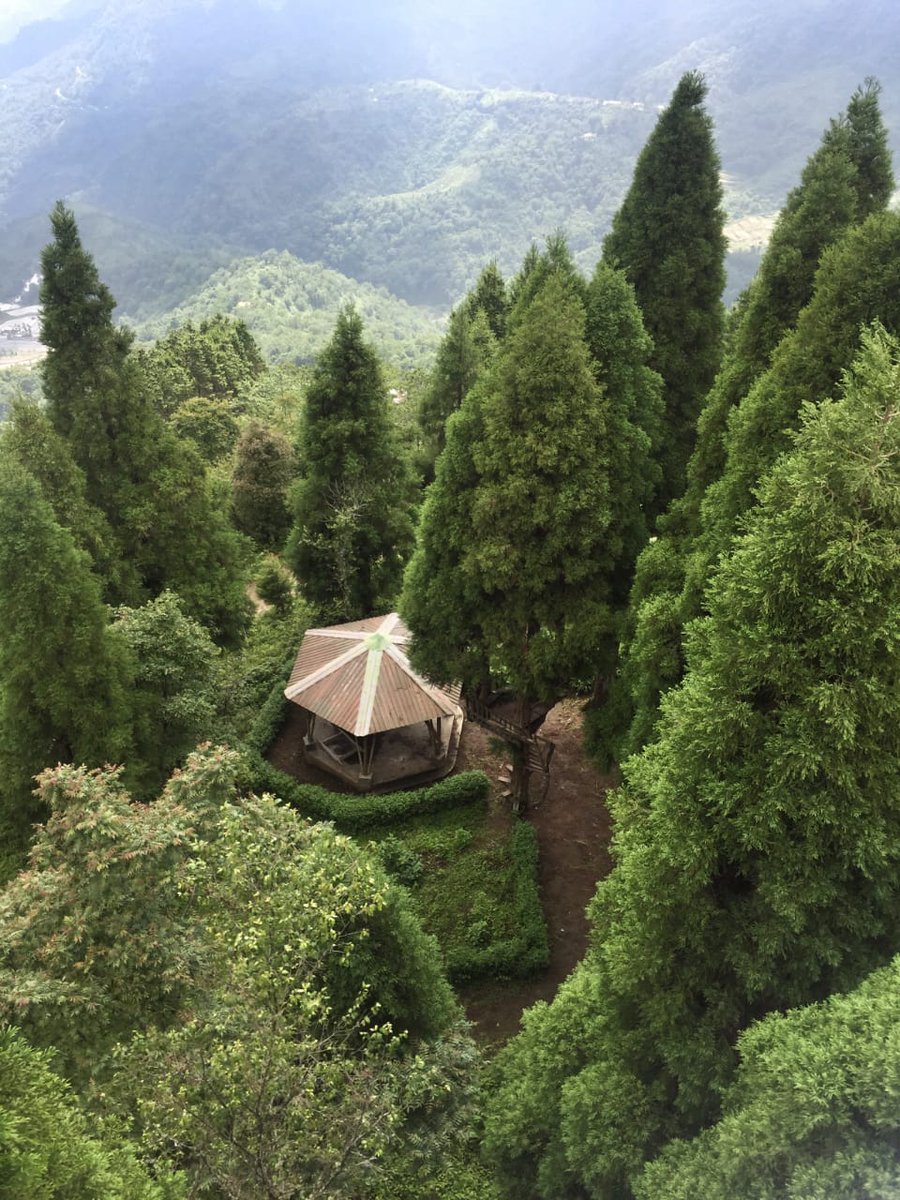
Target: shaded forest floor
573, 830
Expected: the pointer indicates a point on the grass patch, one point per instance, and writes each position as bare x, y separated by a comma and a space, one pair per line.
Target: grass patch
476, 891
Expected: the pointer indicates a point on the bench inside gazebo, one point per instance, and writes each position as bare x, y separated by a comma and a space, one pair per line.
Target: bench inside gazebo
371, 720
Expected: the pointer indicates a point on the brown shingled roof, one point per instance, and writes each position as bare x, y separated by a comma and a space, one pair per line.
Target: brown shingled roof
357, 676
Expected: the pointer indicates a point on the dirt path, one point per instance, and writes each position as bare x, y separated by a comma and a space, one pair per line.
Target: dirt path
573, 837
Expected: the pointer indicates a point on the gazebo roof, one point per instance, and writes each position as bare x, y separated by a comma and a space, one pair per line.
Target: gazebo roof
357, 676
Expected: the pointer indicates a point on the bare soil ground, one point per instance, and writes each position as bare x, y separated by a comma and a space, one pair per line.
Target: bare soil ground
573, 831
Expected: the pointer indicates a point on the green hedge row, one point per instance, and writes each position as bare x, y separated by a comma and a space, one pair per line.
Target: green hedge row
360, 814
528, 951
271, 716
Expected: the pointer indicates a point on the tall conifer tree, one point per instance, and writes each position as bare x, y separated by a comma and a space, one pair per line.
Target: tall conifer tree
758, 841
848, 173
513, 566
465, 350
150, 486
490, 295
63, 681
668, 238
352, 509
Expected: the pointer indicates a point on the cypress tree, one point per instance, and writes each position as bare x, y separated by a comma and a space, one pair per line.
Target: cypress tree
537, 268
29, 437
464, 352
758, 841
264, 467
869, 149
788, 1130
63, 681
489, 295
855, 286
151, 487
668, 238
833, 195
352, 525
524, 550
621, 348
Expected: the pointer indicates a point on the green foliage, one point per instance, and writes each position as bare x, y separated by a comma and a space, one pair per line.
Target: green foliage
275, 399
352, 504
489, 296
512, 566
19, 383
668, 239
251, 955
554, 261
30, 438
621, 349
250, 706
438, 597
869, 149
756, 846
264, 467
217, 360
275, 585
812, 1110
49, 1151
464, 353
359, 814
522, 948
817, 213
291, 308
149, 485
209, 424
853, 287
63, 681
172, 668
98, 939
400, 862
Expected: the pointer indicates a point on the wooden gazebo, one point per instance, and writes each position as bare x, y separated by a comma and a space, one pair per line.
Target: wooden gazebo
371, 720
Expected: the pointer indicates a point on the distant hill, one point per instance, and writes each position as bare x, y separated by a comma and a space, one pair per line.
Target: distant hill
290, 308
403, 142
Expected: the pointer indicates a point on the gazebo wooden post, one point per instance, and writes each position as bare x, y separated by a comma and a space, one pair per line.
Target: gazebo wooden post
434, 733
309, 740
367, 758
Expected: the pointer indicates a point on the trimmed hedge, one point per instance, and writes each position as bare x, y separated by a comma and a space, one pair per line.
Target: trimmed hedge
361, 813
528, 951
271, 716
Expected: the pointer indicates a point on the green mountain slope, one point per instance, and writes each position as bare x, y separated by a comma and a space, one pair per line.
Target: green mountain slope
308, 126
291, 307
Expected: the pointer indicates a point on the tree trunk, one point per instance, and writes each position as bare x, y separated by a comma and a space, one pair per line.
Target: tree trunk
521, 770
601, 691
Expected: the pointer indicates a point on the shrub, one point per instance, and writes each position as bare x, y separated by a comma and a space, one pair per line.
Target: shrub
358, 814
399, 860
528, 950
275, 585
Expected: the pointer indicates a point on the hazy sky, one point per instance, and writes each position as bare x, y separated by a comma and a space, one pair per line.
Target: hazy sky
15, 13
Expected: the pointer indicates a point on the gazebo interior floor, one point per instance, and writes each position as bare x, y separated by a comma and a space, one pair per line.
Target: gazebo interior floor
403, 757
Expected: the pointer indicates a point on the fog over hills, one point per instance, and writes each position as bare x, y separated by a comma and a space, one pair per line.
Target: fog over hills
404, 143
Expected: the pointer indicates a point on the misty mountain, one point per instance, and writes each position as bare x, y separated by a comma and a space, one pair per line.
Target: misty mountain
403, 143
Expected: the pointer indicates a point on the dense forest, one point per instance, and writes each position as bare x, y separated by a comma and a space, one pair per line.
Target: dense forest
592, 484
